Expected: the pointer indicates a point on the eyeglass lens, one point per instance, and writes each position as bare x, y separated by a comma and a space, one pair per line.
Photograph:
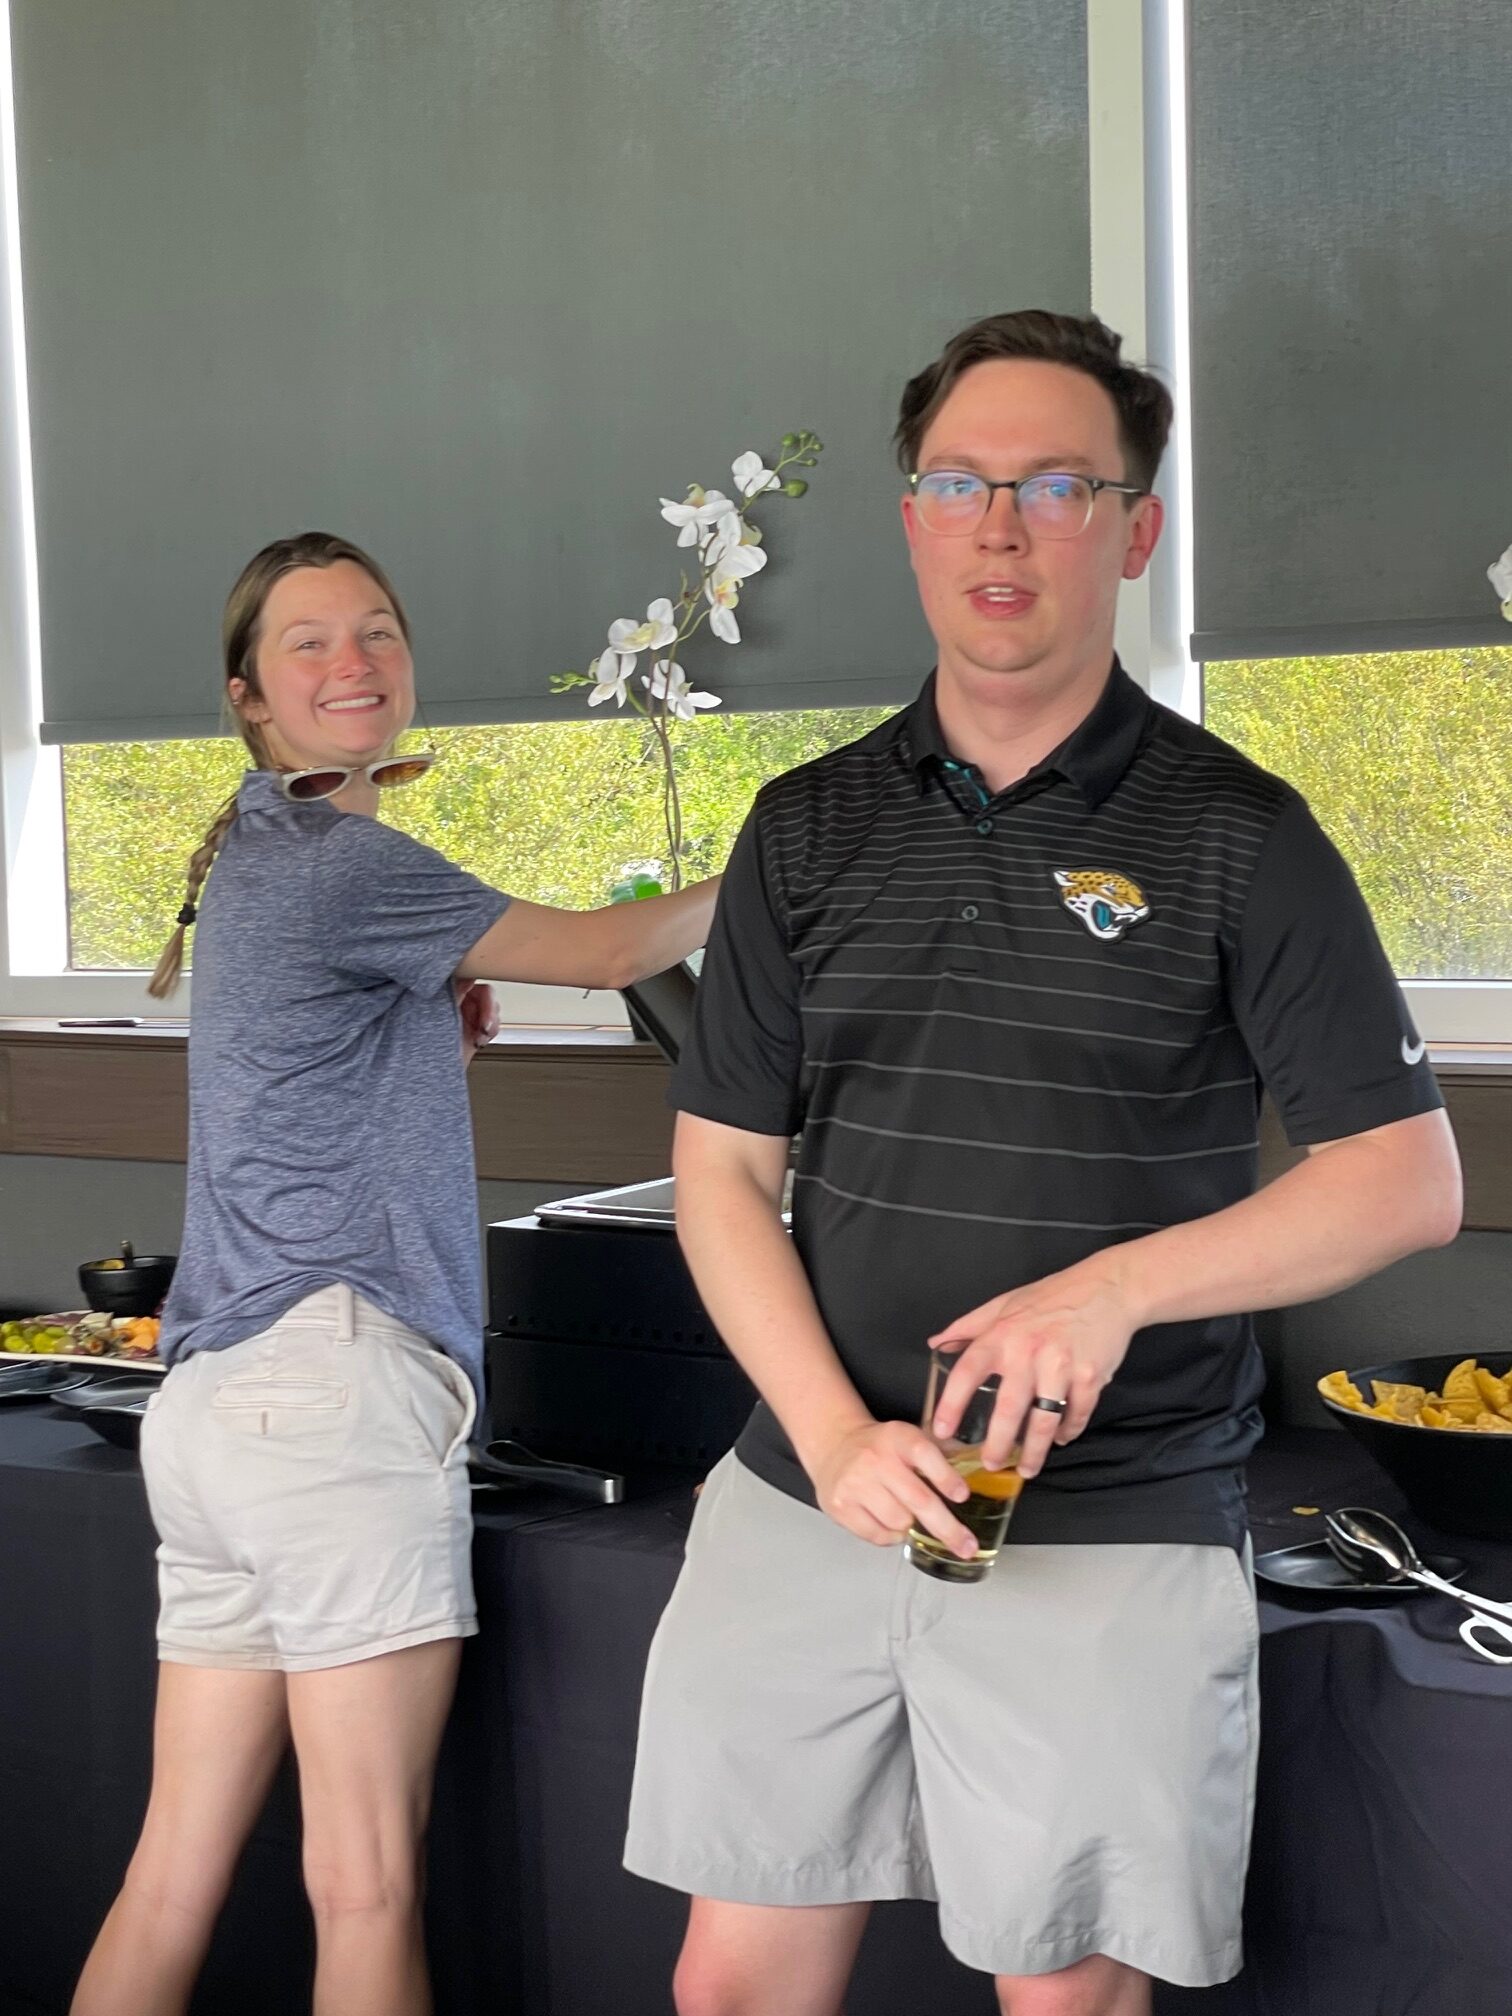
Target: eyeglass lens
316, 784
402, 770
1054, 505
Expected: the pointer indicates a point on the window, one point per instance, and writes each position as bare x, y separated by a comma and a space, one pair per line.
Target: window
554, 812
1406, 759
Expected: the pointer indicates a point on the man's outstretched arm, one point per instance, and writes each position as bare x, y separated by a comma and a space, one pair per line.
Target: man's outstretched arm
1353, 1207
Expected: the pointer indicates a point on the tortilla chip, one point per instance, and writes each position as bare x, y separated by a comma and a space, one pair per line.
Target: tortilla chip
1464, 1410
1475, 1400
1460, 1384
1495, 1392
1341, 1389
1398, 1403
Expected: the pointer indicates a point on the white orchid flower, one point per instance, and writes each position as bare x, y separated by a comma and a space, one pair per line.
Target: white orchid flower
693, 517
612, 673
732, 554
655, 634
751, 475
724, 595
669, 682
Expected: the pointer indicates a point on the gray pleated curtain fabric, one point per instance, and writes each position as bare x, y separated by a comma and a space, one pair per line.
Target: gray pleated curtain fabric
1351, 288
475, 285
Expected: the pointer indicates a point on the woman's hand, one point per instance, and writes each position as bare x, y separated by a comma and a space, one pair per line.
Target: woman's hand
480, 1016
882, 1477
1062, 1338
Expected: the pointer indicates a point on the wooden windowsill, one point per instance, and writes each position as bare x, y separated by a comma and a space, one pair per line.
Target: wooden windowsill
575, 1105
174, 1031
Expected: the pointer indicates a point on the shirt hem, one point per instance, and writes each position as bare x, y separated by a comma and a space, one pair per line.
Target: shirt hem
1360, 1116
1117, 1518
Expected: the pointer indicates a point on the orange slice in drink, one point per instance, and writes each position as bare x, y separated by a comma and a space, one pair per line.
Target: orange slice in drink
994, 1483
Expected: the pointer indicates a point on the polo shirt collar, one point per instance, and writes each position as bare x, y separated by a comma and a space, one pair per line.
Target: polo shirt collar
1093, 757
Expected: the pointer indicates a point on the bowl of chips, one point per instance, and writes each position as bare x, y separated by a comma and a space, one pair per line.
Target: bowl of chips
1441, 1429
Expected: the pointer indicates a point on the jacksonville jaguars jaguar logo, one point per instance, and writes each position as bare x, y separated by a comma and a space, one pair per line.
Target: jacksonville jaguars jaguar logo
1106, 903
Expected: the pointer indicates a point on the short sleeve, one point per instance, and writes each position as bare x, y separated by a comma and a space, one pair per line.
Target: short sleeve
1315, 997
743, 1059
385, 907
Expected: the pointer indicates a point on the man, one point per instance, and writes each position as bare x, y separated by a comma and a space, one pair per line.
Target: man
1017, 963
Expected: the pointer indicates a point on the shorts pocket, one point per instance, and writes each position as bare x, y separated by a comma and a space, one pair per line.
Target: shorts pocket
302, 1396
438, 1400
1241, 1591
462, 1391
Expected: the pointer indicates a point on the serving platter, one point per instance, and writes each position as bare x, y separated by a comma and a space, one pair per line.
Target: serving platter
66, 1318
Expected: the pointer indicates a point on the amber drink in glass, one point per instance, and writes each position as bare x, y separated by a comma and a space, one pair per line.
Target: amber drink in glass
994, 1493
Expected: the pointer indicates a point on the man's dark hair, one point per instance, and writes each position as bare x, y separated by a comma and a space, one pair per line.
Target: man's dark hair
1081, 341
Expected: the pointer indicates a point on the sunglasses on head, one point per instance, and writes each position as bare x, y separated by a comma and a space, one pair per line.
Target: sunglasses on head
388, 771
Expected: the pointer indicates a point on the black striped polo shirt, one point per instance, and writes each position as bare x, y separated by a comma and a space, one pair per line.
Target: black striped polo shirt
1013, 1029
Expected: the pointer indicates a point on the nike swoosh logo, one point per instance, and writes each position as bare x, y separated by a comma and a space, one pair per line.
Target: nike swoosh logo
1412, 1053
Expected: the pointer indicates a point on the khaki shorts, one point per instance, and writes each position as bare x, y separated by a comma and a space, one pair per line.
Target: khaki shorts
310, 1492
1063, 1755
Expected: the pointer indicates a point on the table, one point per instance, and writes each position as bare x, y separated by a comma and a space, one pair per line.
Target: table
1382, 1881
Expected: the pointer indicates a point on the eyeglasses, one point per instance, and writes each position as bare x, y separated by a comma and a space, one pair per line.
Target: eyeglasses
386, 773
1053, 504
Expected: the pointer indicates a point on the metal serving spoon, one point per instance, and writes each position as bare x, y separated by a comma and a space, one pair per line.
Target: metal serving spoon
1374, 1549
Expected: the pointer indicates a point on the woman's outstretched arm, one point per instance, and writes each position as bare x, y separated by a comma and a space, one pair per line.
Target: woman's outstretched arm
613, 947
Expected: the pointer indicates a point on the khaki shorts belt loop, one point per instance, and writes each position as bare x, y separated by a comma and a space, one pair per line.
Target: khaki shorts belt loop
346, 1314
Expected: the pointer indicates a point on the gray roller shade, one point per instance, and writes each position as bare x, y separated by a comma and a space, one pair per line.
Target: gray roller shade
473, 285
1351, 285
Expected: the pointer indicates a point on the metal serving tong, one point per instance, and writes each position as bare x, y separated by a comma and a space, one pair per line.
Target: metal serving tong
513, 1463
1374, 1549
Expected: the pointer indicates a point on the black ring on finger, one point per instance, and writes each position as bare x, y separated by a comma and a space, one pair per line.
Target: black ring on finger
1047, 1405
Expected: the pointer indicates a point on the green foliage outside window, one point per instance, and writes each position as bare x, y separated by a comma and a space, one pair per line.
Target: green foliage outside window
1406, 759
555, 812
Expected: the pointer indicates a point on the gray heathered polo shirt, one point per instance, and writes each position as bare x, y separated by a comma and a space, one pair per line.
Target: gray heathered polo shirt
329, 1132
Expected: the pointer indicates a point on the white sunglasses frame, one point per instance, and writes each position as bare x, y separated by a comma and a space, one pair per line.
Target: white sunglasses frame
426, 758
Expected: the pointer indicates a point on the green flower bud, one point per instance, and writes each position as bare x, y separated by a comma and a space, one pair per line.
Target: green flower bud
790, 440
794, 487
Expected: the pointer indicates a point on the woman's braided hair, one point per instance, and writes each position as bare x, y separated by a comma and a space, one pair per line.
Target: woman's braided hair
239, 641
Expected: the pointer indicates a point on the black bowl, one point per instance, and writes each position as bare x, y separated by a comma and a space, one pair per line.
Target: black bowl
1457, 1482
136, 1290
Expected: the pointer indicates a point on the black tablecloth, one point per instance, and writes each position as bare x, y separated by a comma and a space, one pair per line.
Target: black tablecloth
1382, 1880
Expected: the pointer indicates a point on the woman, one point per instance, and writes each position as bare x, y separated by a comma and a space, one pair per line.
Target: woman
306, 1458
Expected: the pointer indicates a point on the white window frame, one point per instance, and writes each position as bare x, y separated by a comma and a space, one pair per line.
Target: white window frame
1136, 89
1136, 103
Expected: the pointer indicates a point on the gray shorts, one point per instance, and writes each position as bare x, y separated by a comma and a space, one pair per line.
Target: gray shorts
1063, 1755
310, 1493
